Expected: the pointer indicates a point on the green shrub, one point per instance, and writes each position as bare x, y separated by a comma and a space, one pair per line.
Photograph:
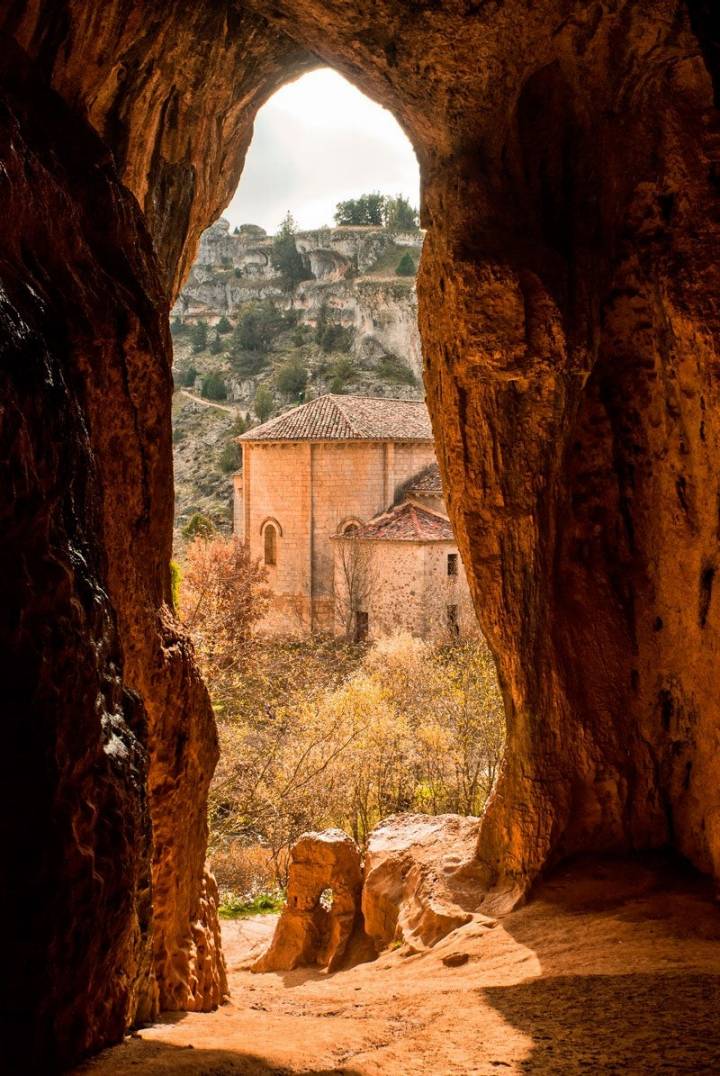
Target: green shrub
285, 256
187, 376
216, 345
336, 338
198, 526
238, 271
223, 326
292, 378
340, 373
178, 327
391, 368
237, 907
230, 458
406, 266
214, 387
239, 426
399, 215
178, 435
257, 327
199, 335
175, 580
321, 323
249, 363
367, 209
263, 403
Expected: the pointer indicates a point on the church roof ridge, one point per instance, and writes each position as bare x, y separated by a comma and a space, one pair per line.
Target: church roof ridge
334, 417
406, 522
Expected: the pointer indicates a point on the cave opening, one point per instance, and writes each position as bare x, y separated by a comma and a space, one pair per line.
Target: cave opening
567, 308
349, 596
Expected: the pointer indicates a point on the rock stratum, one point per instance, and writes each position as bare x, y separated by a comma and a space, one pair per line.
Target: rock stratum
351, 282
569, 316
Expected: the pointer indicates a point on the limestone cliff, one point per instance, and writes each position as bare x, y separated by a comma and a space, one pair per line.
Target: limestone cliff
351, 274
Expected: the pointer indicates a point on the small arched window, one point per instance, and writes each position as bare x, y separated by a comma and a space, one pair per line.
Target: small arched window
270, 536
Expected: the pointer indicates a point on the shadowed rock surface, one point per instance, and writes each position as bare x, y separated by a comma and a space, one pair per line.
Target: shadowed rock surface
568, 310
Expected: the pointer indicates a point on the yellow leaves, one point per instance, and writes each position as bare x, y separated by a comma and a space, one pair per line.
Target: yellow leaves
310, 738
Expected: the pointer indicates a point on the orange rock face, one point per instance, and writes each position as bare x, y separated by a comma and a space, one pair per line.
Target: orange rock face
570, 155
307, 932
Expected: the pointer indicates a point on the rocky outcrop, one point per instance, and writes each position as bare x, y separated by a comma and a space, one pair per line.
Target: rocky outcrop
323, 901
418, 882
233, 270
571, 333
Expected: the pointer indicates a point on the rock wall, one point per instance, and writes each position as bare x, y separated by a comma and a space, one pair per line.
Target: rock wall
233, 270
570, 155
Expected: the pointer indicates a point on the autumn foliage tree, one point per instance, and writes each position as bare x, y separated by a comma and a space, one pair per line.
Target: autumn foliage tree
223, 596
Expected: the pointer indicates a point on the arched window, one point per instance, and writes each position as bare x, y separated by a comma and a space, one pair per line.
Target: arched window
270, 536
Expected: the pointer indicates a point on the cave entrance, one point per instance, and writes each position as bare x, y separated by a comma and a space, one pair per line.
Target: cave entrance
299, 399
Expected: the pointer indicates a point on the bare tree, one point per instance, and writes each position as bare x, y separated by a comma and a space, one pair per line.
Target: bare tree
354, 581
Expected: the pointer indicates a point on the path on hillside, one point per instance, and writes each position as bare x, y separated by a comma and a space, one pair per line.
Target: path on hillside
613, 968
208, 403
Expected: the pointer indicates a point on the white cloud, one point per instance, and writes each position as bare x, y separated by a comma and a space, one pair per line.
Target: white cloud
318, 141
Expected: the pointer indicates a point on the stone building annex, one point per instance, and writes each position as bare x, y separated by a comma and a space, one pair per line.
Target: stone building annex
342, 501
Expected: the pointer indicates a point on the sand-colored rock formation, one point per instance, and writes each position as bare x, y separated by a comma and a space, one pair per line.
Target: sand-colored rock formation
570, 155
416, 887
309, 932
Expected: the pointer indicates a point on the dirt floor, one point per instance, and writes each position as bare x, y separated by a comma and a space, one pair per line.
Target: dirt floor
612, 967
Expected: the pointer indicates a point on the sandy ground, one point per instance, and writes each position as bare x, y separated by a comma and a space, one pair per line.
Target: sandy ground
612, 967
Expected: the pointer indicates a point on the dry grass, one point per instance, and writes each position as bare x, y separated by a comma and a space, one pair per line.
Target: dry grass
243, 870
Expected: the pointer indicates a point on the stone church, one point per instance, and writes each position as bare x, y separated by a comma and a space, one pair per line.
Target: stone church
341, 499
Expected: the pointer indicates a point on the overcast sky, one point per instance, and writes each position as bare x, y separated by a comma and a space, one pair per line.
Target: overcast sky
317, 142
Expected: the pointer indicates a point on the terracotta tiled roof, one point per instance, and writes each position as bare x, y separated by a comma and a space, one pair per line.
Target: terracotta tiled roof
406, 522
348, 418
426, 481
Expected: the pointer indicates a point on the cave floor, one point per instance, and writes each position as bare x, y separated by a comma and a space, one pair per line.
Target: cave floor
612, 967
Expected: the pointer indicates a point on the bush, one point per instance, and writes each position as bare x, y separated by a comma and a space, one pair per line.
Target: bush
223, 596
312, 738
406, 266
264, 403
292, 378
238, 271
367, 209
257, 327
178, 435
336, 338
199, 335
230, 457
214, 387
198, 526
243, 870
223, 326
391, 368
239, 426
399, 215
178, 327
216, 345
321, 323
175, 580
339, 374
187, 376
285, 256
249, 363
